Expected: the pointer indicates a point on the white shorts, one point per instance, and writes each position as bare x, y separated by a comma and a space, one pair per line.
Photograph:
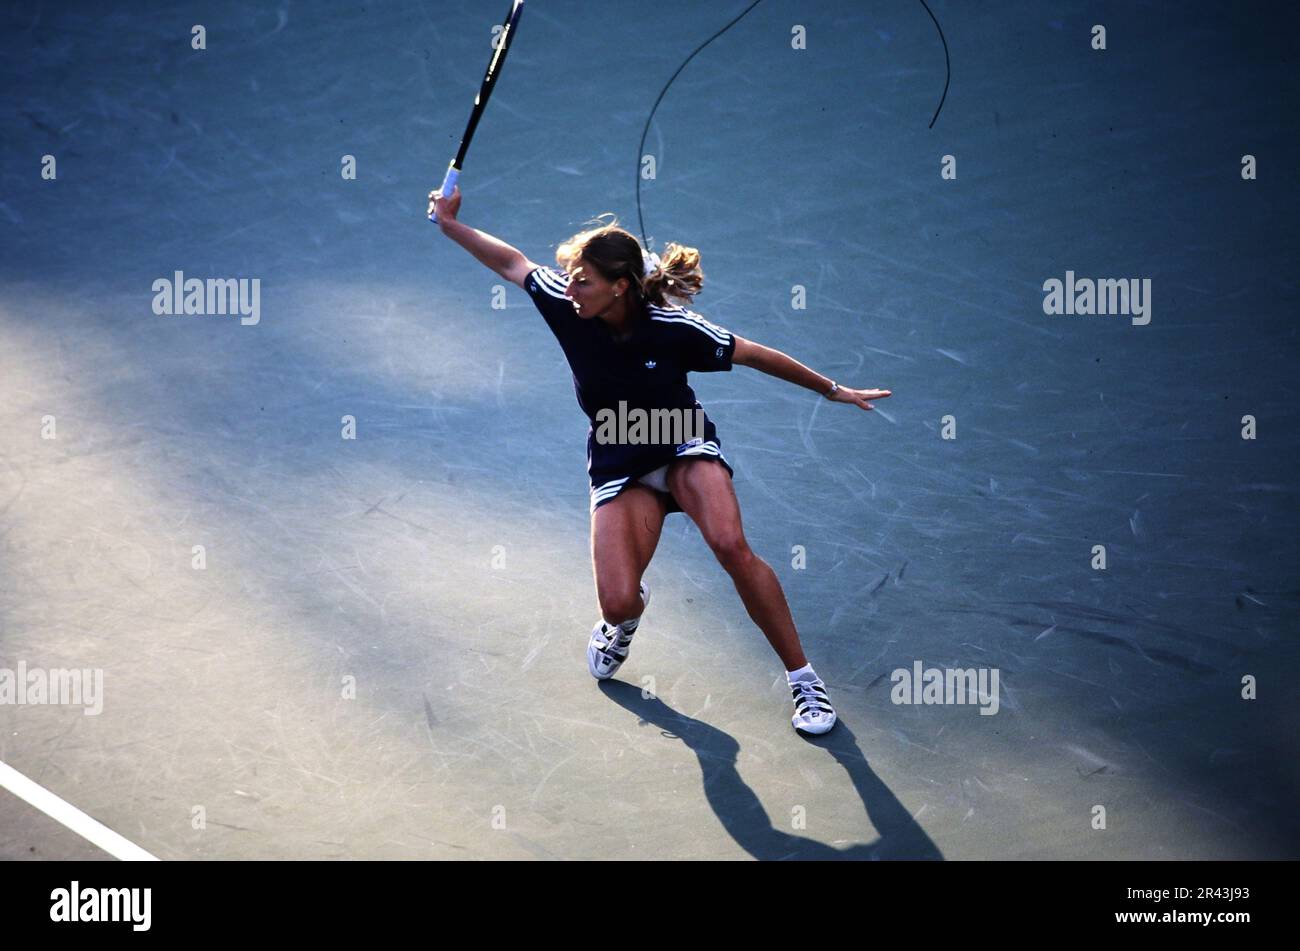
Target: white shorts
658, 479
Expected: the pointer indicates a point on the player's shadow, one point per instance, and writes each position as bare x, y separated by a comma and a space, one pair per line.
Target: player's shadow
743, 815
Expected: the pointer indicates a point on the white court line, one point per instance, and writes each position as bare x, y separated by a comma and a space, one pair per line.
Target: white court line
72, 817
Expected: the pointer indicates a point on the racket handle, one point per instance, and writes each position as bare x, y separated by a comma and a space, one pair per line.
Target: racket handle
448, 183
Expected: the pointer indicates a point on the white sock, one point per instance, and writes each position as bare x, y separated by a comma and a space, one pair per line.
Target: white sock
805, 672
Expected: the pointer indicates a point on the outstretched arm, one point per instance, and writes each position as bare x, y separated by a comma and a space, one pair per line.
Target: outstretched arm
508, 261
784, 367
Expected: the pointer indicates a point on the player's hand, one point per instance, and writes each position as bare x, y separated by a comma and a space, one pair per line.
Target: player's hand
859, 397
445, 207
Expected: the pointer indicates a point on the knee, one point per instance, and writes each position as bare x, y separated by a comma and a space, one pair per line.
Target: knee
732, 550
621, 604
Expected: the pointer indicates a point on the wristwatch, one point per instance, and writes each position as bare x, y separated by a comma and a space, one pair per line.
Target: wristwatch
835, 388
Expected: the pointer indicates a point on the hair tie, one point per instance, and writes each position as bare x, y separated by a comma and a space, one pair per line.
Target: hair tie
651, 263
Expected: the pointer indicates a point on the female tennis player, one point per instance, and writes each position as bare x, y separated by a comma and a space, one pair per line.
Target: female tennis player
630, 349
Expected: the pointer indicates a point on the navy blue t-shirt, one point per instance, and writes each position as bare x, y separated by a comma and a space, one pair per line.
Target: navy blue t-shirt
647, 371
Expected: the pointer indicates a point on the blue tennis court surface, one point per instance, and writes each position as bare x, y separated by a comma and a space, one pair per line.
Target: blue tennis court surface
314, 646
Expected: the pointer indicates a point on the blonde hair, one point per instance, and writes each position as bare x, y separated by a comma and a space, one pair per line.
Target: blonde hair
616, 253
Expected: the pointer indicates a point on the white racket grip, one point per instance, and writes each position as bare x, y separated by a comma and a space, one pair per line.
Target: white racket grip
448, 184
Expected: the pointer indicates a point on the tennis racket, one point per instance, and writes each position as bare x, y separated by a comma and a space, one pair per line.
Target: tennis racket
498, 60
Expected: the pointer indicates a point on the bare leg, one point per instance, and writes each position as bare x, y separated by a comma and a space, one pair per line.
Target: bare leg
703, 489
763, 598
624, 535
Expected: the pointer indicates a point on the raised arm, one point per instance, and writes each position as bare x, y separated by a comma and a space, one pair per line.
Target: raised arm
784, 367
508, 261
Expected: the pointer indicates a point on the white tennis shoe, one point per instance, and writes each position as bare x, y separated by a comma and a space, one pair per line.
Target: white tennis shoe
609, 646
813, 712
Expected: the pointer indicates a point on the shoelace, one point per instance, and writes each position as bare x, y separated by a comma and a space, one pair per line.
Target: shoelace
616, 642
807, 689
